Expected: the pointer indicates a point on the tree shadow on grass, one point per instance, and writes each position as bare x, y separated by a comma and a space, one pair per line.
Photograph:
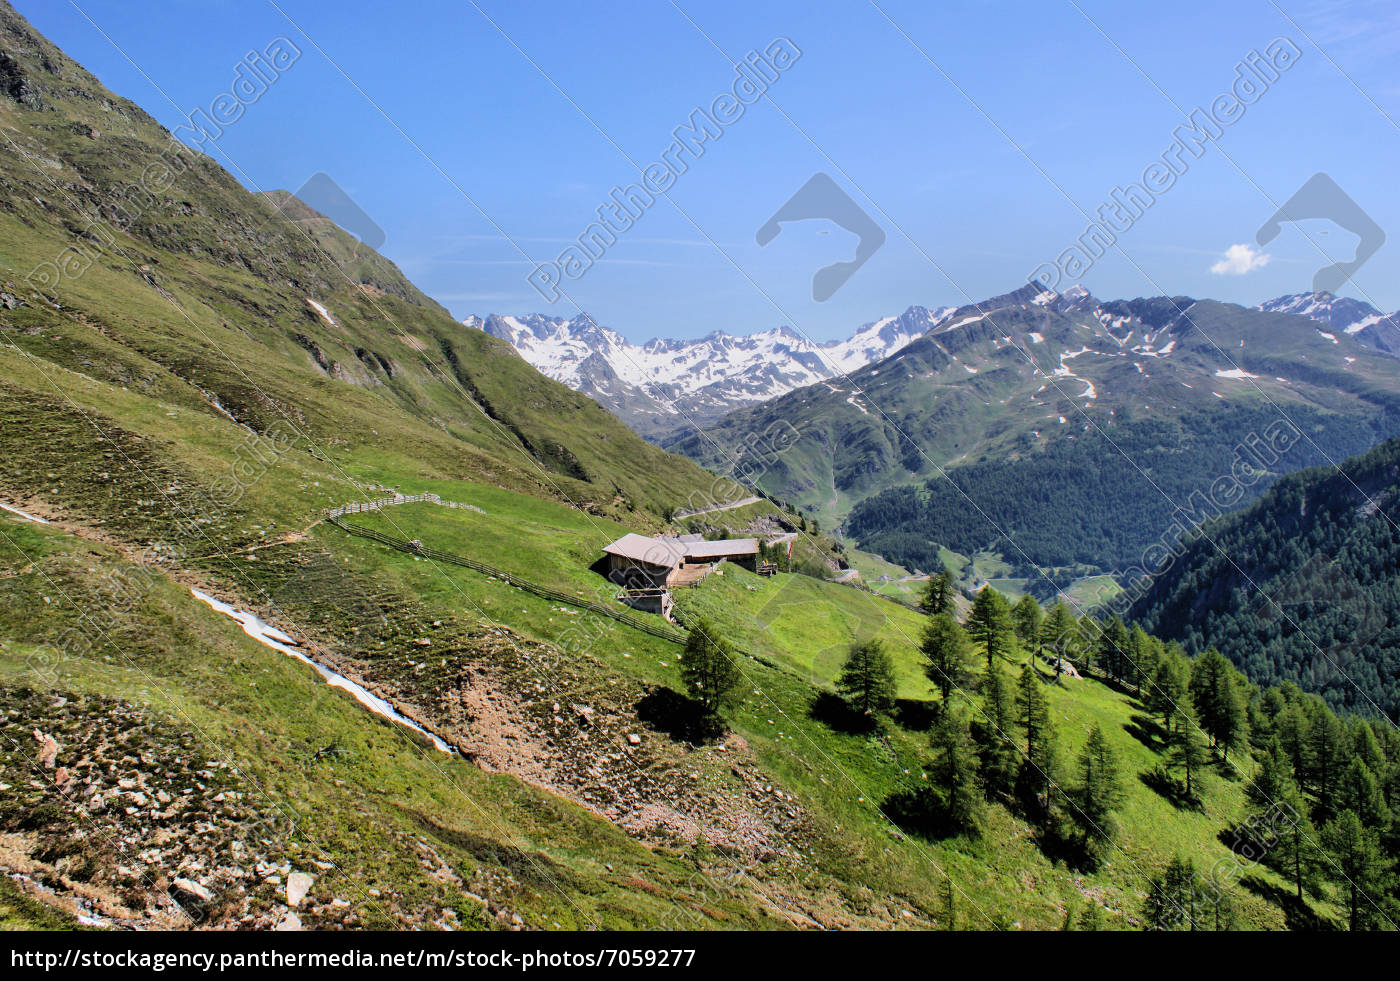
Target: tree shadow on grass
683, 719
1170, 789
1145, 730
917, 811
832, 711
916, 715
532, 868
1297, 914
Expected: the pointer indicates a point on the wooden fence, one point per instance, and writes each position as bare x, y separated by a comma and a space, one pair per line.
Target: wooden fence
558, 596
359, 507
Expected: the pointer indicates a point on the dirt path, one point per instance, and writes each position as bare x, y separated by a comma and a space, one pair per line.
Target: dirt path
744, 502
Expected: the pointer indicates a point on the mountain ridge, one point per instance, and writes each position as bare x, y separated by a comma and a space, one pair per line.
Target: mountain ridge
1002, 383
665, 386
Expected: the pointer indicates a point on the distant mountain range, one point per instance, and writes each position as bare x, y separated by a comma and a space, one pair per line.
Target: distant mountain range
668, 386
1066, 418
665, 388
1355, 317
1061, 431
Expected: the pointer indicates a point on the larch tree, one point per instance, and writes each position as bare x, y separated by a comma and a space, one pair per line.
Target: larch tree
1101, 781
994, 733
1358, 867
990, 624
953, 772
1060, 633
946, 651
1036, 778
1186, 750
1027, 616
939, 593
867, 679
709, 669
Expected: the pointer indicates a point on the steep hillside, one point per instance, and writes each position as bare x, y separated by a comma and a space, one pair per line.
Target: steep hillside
184, 286
1302, 586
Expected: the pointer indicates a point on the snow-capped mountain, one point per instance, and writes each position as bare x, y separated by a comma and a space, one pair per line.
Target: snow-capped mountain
1358, 318
664, 385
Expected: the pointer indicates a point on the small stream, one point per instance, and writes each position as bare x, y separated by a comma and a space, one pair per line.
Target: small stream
269, 636
23, 514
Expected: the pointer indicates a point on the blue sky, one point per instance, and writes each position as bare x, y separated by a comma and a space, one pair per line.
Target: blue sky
482, 137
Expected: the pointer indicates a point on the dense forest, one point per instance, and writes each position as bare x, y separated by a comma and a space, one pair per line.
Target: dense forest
1090, 499
1301, 586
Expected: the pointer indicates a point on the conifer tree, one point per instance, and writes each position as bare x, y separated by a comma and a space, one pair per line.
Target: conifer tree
1036, 776
1167, 694
939, 593
1277, 823
994, 732
1146, 652
1217, 692
1325, 756
1293, 730
1360, 792
1172, 897
709, 669
1060, 633
1296, 852
1027, 616
867, 679
1111, 654
989, 623
953, 772
1357, 866
1186, 750
947, 652
1101, 784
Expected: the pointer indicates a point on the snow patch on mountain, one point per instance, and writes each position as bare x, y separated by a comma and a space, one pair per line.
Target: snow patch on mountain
667, 382
1356, 318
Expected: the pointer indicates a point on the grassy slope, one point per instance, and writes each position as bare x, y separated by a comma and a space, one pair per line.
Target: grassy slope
362, 807
840, 777
206, 289
854, 864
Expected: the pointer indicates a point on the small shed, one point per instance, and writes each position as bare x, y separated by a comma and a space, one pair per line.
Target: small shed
740, 551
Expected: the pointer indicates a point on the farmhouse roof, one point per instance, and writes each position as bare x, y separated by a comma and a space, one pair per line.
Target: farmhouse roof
715, 550
652, 551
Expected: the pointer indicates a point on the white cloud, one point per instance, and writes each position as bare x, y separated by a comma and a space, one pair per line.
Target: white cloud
1240, 259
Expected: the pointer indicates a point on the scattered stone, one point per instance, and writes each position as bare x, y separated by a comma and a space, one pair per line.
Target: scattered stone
297, 885
290, 922
634, 739
48, 749
193, 890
